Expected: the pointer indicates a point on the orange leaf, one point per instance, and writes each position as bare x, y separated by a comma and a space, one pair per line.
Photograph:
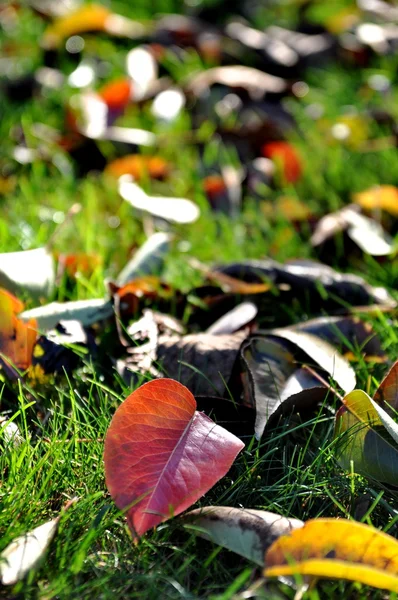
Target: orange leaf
17, 338
214, 185
139, 166
116, 94
336, 549
161, 455
384, 197
287, 155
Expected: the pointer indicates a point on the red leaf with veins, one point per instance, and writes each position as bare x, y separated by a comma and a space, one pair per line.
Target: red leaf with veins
161, 455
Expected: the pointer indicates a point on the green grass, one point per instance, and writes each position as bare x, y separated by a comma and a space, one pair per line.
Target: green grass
293, 471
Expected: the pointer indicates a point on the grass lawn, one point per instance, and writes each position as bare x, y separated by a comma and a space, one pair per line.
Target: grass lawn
293, 469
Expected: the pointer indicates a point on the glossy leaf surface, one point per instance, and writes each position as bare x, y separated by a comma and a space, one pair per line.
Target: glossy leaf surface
161, 455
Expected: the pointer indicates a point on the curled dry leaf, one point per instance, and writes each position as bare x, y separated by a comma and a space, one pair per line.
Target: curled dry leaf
237, 318
148, 260
176, 210
29, 271
307, 278
87, 312
367, 233
363, 441
17, 338
161, 455
274, 383
387, 392
26, 551
203, 362
350, 333
246, 531
336, 549
322, 354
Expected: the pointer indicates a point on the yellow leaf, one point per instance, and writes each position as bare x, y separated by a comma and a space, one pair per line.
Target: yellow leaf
383, 197
336, 549
91, 17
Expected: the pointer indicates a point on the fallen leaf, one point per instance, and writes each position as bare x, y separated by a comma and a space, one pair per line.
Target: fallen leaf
161, 455
58, 350
139, 166
387, 392
255, 82
367, 233
87, 312
285, 155
323, 354
336, 549
274, 382
16, 337
275, 53
143, 70
25, 552
388, 423
88, 18
176, 210
363, 441
91, 17
116, 94
237, 318
148, 260
246, 531
228, 283
381, 197
30, 271
203, 362
348, 333
312, 280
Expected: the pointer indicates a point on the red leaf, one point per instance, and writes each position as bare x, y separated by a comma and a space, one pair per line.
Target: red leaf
287, 155
161, 455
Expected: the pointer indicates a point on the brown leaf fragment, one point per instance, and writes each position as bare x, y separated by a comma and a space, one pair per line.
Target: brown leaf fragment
203, 362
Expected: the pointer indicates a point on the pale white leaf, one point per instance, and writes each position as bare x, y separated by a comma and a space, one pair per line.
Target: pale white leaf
148, 260
29, 271
25, 552
85, 311
176, 210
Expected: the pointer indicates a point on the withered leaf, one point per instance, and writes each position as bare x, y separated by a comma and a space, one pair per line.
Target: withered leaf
246, 531
202, 362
